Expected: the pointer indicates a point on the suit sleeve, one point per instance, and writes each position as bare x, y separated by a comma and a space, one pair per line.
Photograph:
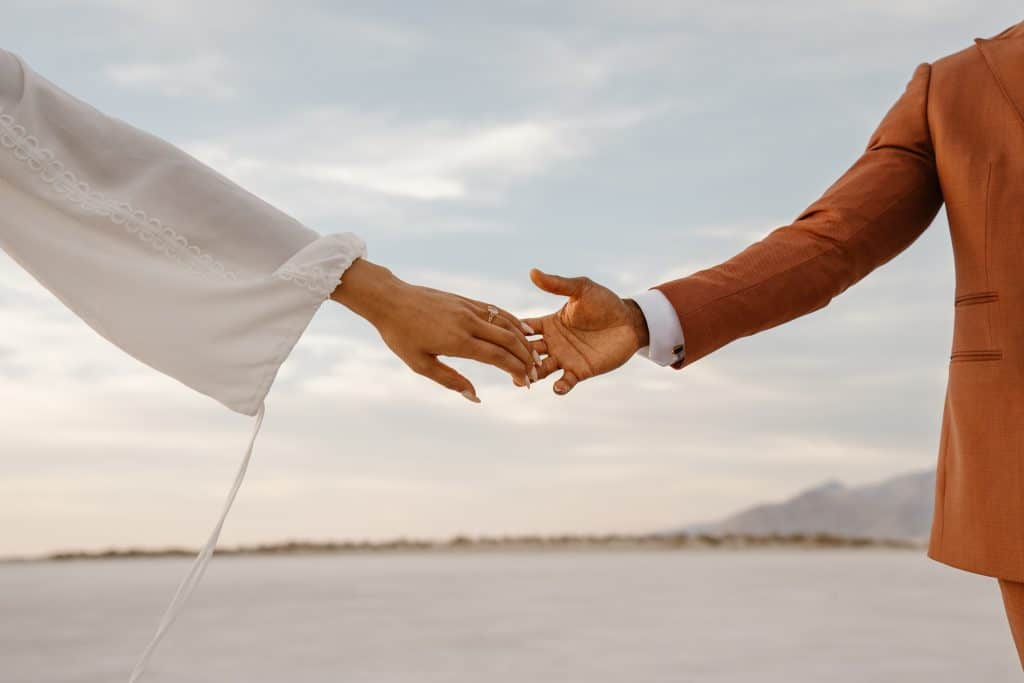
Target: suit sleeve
872, 213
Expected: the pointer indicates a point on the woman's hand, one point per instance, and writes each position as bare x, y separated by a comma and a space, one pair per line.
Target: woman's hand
419, 324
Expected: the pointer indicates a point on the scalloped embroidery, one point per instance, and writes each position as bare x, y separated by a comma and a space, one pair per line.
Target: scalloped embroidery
154, 232
313, 278
322, 280
161, 237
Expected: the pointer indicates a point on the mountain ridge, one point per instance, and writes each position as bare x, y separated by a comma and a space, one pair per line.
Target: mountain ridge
897, 508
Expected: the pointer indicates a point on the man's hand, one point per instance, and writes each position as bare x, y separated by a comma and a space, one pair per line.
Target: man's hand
594, 332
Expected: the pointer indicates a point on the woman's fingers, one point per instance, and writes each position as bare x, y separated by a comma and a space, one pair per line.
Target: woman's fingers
535, 324
446, 376
499, 334
547, 366
515, 322
509, 322
492, 354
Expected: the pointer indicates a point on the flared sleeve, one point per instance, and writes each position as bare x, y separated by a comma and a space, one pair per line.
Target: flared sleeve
172, 262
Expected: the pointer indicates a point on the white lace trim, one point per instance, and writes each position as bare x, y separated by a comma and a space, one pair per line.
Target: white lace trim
161, 237
315, 279
320, 266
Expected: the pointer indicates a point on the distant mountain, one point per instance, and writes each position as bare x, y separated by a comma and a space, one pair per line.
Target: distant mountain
898, 508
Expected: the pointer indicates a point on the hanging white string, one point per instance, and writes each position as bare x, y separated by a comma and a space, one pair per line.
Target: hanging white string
195, 573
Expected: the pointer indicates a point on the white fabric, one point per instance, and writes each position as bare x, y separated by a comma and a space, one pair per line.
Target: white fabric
198, 568
664, 330
158, 253
165, 258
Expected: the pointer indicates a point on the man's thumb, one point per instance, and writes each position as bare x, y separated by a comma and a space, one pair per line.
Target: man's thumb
555, 284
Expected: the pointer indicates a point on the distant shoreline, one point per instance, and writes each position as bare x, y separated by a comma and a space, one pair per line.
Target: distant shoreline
499, 543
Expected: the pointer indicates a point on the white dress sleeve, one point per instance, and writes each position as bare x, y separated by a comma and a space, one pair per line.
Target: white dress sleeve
167, 259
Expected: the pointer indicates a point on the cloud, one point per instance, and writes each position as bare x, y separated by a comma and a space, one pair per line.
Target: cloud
589, 59
439, 162
423, 160
794, 14
205, 75
631, 141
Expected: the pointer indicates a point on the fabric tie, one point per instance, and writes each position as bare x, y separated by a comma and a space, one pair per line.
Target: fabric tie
195, 573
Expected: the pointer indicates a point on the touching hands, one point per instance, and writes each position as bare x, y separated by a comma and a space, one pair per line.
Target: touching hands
593, 333
419, 324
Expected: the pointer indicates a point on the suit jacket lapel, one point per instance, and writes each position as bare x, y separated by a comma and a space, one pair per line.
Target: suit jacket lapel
1005, 57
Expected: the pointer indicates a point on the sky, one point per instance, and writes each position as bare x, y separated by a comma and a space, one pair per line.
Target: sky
634, 142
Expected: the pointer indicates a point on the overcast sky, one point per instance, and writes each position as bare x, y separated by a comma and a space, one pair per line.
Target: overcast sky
631, 141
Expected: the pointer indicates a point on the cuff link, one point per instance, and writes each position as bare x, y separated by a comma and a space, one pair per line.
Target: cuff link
679, 352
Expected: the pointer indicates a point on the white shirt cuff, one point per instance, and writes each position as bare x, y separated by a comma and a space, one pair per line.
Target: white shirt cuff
665, 332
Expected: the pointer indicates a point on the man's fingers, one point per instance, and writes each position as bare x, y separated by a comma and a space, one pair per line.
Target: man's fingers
448, 377
556, 284
565, 383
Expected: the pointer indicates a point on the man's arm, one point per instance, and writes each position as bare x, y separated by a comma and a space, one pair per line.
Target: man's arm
875, 211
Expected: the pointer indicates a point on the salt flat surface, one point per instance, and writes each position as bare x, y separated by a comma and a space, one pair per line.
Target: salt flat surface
524, 617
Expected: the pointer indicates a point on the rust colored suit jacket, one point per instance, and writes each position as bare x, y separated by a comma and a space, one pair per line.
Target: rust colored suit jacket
956, 136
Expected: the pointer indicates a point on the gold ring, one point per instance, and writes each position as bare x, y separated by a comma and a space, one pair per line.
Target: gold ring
492, 313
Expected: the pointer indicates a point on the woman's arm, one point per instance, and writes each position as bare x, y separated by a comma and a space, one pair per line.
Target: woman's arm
187, 271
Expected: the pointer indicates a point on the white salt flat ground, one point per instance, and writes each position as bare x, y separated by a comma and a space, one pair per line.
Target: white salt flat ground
593, 617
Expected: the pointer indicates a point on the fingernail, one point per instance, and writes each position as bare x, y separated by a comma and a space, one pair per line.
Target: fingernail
560, 388
527, 329
536, 358
533, 374
470, 396
529, 384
